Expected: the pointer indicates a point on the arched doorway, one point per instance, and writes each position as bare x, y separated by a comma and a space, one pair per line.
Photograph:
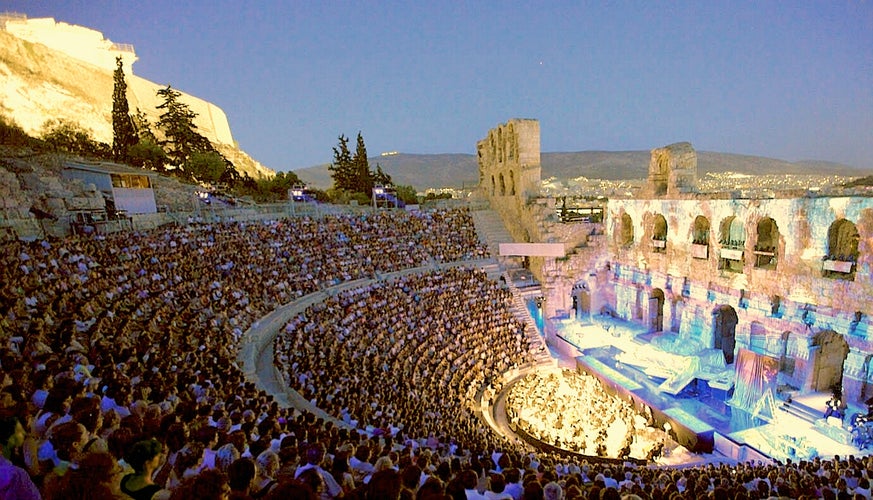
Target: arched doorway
827, 371
656, 310
581, 301
724, 321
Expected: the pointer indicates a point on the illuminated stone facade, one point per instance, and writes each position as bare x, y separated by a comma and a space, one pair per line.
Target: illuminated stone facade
784, 276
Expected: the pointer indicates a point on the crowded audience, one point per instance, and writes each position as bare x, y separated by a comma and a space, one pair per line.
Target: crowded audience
119, 379
406, 355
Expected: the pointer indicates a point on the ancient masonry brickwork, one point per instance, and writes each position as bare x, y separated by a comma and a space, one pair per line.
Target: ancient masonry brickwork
789, 277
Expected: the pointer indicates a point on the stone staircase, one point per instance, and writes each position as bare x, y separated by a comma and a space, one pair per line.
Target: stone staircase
492, 232
538, 348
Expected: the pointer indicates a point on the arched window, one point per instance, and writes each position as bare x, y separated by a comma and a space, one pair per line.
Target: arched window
766, 244
626, 231
659, 234
842, 250
700, 238
511, 183
732, 237
493, 186
502, 185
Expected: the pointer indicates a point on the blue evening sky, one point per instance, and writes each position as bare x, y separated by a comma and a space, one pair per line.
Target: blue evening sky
789, 80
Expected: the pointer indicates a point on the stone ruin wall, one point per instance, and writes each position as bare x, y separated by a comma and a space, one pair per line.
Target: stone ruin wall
511, 151
672, 170
693, 288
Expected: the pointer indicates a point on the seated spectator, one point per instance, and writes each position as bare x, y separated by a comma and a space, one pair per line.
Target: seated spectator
241, 477
145, 457
14, 481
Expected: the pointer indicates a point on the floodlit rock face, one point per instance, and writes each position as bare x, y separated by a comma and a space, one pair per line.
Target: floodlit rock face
39, 83
784, 276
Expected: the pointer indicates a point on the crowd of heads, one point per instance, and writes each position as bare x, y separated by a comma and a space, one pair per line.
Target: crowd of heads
407, 356
118, 372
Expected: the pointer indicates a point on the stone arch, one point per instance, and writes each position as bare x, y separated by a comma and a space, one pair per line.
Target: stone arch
659, 233
581, 299
724, 324
732, 237
766, 243
656, 310
502, 183
512, 183
843, 240
830, 358
700, 231
625, 236
731, 233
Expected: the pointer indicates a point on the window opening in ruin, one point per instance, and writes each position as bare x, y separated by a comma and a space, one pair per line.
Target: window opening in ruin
512, 183
724, 331
661, 174
659, 234
732, 238
626, 231
656, 310
786, 362
830, 358
700, 238
842, 257
766, 244
493, 186
502, 185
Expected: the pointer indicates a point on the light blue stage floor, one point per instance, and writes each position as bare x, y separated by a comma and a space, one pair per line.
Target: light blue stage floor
698, 406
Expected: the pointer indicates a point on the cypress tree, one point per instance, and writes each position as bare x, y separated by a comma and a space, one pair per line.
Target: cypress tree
124, 135
363, 178
341, 170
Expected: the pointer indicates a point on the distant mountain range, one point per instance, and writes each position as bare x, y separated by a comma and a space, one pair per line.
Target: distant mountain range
423, 171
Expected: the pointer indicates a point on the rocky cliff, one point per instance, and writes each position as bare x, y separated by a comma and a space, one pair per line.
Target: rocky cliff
39, 84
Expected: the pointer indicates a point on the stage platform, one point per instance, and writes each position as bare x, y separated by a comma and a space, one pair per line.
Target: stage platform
698, 412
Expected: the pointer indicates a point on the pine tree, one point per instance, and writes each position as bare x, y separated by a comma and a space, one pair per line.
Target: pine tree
143, 127
341, 170
363, 178
380, 177
124, 135
181, 138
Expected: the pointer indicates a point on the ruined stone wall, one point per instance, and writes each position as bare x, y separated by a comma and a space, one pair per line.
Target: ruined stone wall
672, 170
790, 297
509, 162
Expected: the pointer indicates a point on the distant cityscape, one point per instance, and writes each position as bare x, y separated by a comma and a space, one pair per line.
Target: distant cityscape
728, 184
